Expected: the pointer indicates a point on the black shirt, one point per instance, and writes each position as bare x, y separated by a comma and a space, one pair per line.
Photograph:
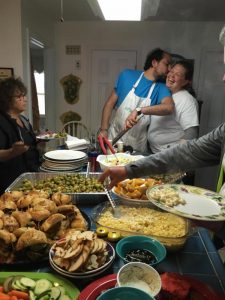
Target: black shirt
11, 132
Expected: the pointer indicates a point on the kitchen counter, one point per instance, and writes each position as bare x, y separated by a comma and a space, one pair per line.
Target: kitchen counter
198, 258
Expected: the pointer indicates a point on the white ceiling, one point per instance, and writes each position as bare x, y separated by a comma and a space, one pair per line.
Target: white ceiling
169, 10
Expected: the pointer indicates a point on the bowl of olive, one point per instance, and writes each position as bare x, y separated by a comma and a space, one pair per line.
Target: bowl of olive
138, 248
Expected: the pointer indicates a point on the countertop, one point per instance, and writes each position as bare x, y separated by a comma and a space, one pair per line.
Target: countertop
198, 258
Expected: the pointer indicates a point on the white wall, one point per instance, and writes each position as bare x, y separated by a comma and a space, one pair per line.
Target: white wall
185, 38
11, 36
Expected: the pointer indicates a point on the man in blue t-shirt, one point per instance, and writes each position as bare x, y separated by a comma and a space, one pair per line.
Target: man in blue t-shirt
138, 93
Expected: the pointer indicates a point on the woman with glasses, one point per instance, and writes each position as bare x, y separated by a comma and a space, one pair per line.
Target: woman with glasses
18, 151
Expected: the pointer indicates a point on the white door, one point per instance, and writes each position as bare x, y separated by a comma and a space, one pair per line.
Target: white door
212, 93
105, 67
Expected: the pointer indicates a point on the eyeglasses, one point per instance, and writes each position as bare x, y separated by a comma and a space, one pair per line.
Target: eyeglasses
19, 97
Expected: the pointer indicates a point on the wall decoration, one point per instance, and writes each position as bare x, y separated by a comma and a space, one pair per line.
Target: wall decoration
70, 116
6, 73
71, 85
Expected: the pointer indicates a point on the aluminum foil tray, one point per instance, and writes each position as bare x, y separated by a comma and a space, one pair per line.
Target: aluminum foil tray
77, 198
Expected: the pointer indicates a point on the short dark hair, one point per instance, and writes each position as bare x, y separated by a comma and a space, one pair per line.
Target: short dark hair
188, 66
8, 88
156, 54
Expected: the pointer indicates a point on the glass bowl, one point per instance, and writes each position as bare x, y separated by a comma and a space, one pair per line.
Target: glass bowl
132, 222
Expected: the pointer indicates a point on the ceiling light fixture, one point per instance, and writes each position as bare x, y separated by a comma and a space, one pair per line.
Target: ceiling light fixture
121, 10
124, 10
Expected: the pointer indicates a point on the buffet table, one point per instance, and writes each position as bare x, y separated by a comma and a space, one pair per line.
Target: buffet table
198, 259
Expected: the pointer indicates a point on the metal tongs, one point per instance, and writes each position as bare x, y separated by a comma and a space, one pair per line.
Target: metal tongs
122, 132
104, 143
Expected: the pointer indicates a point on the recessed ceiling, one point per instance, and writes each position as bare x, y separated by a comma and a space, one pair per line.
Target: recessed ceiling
168, 10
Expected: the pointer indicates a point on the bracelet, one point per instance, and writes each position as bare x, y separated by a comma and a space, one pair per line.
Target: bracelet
103, 129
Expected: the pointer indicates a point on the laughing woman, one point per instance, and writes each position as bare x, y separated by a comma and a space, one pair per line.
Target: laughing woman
183, 123
18, 151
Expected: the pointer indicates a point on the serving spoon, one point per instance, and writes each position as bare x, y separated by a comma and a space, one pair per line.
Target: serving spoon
116, 210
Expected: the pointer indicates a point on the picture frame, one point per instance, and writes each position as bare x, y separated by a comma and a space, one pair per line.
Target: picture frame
6, 73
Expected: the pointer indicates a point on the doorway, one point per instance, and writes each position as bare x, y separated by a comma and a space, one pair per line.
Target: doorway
37, 84
105, 68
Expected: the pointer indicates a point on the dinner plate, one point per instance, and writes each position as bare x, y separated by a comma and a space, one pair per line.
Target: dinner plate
94, 289
88, 274
199, 290
70, 288
201, 204
45, 138
65, 155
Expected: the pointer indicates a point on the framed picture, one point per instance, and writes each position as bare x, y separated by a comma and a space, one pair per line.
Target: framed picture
6, 73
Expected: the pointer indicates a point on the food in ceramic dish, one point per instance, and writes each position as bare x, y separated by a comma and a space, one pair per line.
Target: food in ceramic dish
120, 159
68, 291
80, 252
141, 276
168, 196
135, 188
200, 204
93, 265
136, 218
31, 222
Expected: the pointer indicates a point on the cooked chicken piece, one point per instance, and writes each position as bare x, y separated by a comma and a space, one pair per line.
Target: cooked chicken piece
52, 221
7, 236
6, 196
62, 262
41, 203
19, 231
10, 223
8, 205
79, 224
66, 209
16, 195
61, 199
23, 217
31, 237
24, 201
39, 193
1, 213
39, 215
1, 223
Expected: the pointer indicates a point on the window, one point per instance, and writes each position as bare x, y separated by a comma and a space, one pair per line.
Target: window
40, 85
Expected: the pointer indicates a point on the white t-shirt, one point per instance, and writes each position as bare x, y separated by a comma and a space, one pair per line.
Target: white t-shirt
165, 131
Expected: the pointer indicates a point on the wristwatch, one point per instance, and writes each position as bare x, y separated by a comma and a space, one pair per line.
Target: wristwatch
138, 110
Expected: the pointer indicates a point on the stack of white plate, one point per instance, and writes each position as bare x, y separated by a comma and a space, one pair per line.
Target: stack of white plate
64, 161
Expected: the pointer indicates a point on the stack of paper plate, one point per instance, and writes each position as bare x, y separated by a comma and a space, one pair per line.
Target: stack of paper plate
64, 161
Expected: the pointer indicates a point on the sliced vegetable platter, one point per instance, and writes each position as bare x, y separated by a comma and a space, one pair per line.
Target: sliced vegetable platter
36, 286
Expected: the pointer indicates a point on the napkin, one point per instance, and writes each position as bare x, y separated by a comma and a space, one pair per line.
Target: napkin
75, 143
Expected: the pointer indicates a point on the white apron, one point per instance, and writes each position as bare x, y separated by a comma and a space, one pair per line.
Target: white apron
137, 135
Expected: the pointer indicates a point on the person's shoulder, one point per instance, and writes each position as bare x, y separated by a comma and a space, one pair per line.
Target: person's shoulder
162, 86
131, 72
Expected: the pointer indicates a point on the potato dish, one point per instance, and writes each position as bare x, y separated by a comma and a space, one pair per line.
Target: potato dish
139, 219
135, 188
145, 220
